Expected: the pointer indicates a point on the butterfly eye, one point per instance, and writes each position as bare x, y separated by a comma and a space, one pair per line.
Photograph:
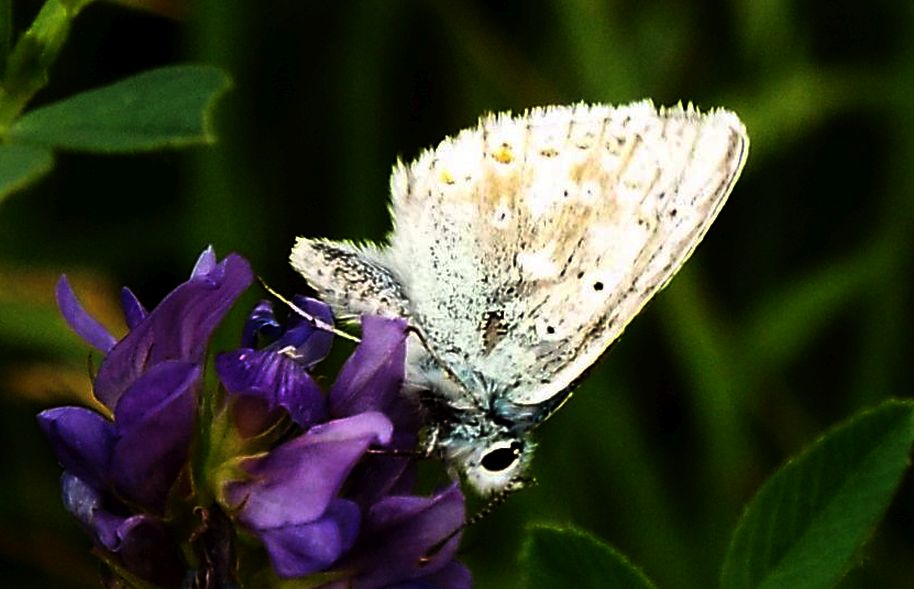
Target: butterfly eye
502, 458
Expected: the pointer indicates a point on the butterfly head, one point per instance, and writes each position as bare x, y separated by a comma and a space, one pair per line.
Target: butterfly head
476, 431
501, 465
491, 463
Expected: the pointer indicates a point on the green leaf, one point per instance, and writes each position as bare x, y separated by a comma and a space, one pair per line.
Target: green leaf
36, 50
566, 557
805, 525
166, 107
21, 165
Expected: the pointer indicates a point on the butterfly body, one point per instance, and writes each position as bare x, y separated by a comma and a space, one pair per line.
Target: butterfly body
521, 249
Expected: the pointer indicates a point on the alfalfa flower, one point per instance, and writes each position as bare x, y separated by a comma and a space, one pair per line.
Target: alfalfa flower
316, 501
120, 469
182, 471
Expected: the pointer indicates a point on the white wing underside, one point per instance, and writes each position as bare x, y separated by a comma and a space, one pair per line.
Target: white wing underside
524, 246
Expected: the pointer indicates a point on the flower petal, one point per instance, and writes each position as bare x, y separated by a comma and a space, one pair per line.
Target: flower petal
85, 325
401, 538
381, 475
134, 311
371, 378
205, 264
82, 440
295, 482
178, 329
302, 549
452, 576
147, 550
85, 503
311, 344
302, 398
275, 378
155, 422
260, 321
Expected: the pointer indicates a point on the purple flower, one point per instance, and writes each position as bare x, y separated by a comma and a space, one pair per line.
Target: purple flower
410, 541
371, 380
119, 473
303, 471
291, 498
316, 501
141, 541
276, 376
179, 328
139, 455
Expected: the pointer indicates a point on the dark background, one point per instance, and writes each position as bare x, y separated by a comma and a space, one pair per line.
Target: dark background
793, 314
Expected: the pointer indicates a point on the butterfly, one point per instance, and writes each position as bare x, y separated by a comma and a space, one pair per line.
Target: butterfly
520, 250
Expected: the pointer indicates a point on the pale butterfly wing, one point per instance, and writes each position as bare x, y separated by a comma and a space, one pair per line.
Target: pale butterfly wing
526, 245
521, 250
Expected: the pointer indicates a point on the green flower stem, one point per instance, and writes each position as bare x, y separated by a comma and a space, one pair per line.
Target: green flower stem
28, 64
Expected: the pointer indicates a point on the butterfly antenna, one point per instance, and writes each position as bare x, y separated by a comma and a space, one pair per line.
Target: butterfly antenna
499, 498
490, 506
314, 321
442, 364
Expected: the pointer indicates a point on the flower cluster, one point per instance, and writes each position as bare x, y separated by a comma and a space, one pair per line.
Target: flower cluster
177, 479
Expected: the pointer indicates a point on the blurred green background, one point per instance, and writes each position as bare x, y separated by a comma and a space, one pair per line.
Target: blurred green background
793, 314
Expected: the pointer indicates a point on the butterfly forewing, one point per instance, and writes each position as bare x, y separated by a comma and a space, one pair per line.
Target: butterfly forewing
527, 244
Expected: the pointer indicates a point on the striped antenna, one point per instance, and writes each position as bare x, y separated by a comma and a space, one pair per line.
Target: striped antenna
314, 321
